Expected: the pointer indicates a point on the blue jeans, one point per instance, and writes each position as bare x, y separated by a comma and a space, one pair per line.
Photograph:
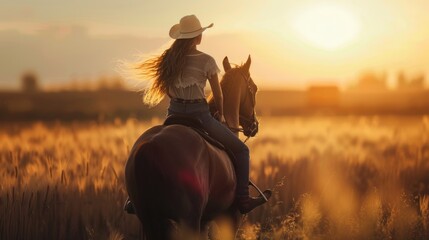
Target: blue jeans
222, 134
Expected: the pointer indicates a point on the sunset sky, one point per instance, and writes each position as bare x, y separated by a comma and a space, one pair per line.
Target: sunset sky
293, 44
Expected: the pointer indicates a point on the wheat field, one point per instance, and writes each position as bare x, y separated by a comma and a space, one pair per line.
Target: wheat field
349, 177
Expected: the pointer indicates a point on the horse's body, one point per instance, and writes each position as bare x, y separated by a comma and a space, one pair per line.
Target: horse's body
166, 181
177, 180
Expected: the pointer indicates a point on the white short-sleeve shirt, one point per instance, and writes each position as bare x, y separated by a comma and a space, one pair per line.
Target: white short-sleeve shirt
191, 83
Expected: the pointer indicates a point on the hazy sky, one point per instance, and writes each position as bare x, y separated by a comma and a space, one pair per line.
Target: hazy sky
292, 43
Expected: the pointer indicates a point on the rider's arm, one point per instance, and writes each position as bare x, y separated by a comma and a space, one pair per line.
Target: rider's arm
217, 94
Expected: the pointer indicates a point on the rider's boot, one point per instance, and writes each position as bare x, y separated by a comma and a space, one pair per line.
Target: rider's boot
247, 203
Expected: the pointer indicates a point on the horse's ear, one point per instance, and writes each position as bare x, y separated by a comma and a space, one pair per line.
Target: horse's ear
246, 66
226, 64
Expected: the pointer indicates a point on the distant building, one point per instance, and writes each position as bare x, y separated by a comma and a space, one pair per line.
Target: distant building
323, 96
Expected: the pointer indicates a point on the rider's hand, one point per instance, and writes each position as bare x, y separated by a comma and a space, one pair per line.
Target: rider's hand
222, 119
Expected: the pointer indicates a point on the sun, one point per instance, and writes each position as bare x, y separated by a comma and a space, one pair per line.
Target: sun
327, 27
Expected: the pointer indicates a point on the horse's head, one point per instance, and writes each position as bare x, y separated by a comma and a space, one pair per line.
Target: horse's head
246, 90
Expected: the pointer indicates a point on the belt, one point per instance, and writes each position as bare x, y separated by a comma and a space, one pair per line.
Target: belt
186, 101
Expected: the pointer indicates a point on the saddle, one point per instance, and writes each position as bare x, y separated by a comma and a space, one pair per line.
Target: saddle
198, 127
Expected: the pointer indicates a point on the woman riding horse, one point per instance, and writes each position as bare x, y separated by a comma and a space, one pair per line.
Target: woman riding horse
173, 174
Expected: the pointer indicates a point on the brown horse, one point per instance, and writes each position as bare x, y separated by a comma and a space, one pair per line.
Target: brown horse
177, 180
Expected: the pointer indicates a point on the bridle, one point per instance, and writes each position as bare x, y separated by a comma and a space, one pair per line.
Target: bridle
249, 124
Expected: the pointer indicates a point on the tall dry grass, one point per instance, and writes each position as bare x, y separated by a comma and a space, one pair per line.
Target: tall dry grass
334, 178
344, 178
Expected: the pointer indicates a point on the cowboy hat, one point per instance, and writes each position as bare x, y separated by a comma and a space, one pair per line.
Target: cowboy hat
189, 27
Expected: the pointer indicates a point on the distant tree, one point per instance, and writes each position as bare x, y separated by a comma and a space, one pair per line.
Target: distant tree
415, 83
110, 83
29, 82
117, 83
401, 80
371, 81
103, 83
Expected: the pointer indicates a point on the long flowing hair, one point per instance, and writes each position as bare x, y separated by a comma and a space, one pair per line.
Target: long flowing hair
163, 70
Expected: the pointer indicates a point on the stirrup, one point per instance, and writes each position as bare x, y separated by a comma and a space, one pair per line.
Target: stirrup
262, 194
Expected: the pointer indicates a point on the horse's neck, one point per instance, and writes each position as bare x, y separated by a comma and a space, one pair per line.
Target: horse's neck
231, 106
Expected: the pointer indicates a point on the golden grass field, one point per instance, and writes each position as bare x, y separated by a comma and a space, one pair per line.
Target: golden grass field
334, 178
